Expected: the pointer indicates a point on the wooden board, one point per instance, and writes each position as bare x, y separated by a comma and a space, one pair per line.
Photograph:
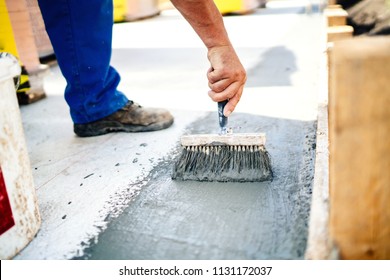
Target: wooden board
360, 148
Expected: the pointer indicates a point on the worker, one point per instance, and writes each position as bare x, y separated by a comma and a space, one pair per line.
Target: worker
81, 34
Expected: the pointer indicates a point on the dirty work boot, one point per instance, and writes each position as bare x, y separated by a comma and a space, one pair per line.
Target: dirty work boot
131, 118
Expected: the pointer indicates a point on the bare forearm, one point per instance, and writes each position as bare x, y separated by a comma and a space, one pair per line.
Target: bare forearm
205, 19
226, 74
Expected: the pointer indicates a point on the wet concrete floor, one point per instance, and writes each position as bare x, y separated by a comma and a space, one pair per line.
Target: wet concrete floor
112, 197
202, 220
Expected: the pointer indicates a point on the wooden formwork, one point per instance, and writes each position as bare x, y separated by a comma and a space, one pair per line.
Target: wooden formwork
335, 16
359, 167
350, 215
336, 21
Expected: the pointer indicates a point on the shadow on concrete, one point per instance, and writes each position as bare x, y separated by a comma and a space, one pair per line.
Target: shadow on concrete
274, 68
205, 220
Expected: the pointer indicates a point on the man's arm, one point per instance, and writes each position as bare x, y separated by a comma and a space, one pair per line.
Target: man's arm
226, 75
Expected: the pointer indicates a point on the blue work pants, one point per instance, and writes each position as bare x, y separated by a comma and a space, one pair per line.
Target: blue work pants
81, 34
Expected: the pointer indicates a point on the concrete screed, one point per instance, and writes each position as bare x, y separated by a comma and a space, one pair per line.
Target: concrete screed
111, 197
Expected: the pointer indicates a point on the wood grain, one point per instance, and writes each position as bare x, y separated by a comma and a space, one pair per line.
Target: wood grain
359, 148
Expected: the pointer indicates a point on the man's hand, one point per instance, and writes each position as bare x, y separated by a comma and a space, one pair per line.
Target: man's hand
226, 77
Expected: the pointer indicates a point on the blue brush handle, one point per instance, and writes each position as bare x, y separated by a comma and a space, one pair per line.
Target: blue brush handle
223, 121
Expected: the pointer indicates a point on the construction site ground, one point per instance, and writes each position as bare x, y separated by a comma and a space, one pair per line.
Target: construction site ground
112, 196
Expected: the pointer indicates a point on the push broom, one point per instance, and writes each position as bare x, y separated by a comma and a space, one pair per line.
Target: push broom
223, 157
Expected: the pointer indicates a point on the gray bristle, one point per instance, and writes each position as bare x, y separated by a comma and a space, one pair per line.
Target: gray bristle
223, 164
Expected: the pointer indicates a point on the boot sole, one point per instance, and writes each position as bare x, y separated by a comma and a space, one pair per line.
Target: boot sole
104, 127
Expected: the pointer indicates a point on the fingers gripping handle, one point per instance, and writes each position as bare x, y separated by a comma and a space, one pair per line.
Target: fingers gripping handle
223, 121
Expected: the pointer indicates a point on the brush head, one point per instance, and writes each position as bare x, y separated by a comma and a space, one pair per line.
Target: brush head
237, 139
223, 158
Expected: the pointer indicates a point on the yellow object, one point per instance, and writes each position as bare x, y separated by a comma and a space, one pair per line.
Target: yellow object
120, 8
229, 6
8, 44
7, 41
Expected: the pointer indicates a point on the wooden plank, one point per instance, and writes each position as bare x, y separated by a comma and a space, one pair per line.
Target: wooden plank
359, 148
41, 37
334, 6
336, 33
23, 34
335, 16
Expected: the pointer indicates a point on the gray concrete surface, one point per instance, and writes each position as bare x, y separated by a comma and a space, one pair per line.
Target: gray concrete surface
111, 197
193, 220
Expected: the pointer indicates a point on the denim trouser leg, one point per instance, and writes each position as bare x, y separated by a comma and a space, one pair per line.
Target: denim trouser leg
81, 35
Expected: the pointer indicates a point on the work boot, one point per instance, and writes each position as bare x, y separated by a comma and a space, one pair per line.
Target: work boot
131, 118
